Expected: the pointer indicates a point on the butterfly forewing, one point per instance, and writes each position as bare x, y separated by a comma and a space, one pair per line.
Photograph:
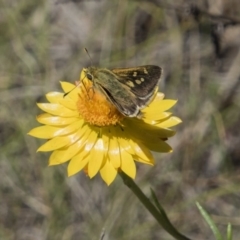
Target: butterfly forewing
125, 101
127, 106
141, 80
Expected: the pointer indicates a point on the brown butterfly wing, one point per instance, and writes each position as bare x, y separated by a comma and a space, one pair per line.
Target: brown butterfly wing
142, 80
127, 106
116, 92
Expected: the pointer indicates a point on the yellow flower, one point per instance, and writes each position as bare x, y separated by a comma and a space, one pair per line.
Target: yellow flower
83, 127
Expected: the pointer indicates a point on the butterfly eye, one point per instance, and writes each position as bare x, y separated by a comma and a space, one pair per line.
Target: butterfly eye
89, 76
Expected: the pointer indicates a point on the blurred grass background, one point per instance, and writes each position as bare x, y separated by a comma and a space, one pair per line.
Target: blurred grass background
195, 42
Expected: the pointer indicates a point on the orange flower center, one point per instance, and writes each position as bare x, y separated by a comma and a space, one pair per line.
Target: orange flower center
95, 108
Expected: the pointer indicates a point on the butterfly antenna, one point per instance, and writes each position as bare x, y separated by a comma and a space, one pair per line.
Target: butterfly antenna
65, 94
88, 55
81, 81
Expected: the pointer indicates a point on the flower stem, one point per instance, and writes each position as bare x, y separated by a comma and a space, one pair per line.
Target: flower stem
159, 216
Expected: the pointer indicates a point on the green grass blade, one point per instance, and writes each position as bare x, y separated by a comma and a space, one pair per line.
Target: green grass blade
210, 222
229, 231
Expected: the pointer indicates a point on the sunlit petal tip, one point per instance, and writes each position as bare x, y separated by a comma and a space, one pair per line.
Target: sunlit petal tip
78, 163
35, 133
108, 173
53, 163
128, 166
39, 149
70, 174
160, 95
54, 96
177, 120
66, 86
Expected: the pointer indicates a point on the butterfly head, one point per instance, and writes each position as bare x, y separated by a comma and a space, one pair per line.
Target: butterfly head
89, 73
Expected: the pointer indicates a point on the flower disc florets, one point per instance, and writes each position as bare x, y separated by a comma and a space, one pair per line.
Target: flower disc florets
94, 107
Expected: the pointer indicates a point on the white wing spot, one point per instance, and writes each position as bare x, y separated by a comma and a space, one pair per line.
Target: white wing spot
135, 74
138, 81
145, 71
142, 79
130, 84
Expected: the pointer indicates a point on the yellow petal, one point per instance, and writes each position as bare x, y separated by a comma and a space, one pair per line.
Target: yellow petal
159, 96
44, 132
147, 131
78, 163
67, 86
53, 144
172, 121
160, 105
155, 115
73, 127
142, 152
123, 140
114, 152
97, 155
85, 144
124, 144
92, 138
127, 164
108, 173
63, 155
54, 97
68, 103
47, 132
85, 153
138, 159
57, 157
106, 138
159, 146
49, 119
71, 90
57, 109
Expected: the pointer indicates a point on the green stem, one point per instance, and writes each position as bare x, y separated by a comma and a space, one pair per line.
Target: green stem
161, 218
